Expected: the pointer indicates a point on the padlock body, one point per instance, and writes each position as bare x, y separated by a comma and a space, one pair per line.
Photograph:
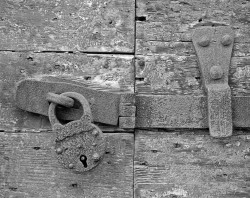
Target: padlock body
80, 145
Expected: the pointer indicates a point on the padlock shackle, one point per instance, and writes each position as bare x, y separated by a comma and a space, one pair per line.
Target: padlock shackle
83, 101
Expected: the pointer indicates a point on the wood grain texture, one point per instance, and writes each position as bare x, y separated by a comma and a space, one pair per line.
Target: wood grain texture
191, 164
163, 38
106, 71
67, 25
29, 169
166, 20
179, 74
182, 48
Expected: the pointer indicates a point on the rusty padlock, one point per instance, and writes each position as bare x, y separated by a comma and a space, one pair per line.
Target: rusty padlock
80, 144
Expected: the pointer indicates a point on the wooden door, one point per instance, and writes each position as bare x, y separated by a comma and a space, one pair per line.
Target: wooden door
188, 162
142, 46
92, 41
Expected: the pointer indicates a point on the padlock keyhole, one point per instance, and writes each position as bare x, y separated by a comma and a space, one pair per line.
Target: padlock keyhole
83, 159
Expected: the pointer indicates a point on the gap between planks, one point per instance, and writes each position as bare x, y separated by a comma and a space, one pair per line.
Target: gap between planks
71, 52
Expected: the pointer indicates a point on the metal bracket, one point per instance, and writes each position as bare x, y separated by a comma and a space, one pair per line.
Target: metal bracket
108, 106
214, 46
218, 110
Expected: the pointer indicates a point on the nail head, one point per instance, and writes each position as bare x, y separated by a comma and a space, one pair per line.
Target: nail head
226, 40
59, 150
95, 132
71, 166
204, 41
216, 72
96, 157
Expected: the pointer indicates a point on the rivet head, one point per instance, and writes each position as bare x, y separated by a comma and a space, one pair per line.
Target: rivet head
94, 144
226, 40
59, 150
95, 132
216, 72
204, 41
141, 63
79, 146
71, 166
96, 157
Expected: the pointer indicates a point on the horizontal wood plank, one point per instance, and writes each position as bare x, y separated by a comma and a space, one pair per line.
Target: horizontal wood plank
191, 164
166, 59
66, 25
165, 20
29, 168
105, 71
172, 74
182, 48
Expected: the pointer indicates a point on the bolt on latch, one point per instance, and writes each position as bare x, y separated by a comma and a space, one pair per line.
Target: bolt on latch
213, 47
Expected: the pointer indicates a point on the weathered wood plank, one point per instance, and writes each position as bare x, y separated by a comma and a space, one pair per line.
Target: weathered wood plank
67, 25
179, 74
182, 48
29, 168
106, 71
163, 38
191, 164
166, 20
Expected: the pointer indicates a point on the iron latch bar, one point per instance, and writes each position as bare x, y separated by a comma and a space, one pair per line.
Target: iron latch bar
152, 111
184, 111
108, 106
213, 47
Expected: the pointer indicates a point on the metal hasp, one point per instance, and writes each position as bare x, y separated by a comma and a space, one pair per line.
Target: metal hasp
108, 106
213, 47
